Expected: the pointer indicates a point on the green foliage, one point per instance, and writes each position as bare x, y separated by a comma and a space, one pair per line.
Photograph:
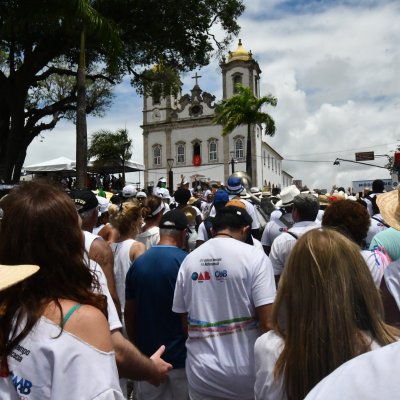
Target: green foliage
121, 37
110, 148
244, 109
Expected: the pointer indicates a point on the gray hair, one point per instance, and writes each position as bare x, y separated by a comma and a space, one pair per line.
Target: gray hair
307, 206
170, 232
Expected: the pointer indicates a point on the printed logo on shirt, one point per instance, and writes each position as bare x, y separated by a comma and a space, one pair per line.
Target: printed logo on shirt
283, 229
22, 385
201, 277
221, 275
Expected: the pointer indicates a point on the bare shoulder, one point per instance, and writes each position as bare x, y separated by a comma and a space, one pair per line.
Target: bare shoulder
136, 250
89, 324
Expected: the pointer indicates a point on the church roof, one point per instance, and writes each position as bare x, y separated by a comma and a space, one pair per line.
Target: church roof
240, 54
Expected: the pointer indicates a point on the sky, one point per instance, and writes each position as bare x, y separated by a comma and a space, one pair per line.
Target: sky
333, 66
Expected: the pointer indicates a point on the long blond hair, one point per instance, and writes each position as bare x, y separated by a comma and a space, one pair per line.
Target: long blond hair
326, 300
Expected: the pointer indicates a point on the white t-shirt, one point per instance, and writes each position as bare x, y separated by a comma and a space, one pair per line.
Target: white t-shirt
251, 211
375, 227
150, 237
113, 319
377, 262
275, 227
202, 233
219, 285
122, 263
370, 376
283, 244
267, 349
47, 366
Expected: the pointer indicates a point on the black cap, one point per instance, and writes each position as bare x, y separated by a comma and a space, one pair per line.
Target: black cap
84, 200
175, 219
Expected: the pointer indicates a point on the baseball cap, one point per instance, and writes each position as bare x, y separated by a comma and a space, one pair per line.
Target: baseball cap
174, 219
129, 191
84, 200
141, 195
221, 196
103, 203
233, 207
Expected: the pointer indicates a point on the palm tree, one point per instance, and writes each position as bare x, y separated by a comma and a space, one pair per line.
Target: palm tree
245, 109
110, 149
103, 29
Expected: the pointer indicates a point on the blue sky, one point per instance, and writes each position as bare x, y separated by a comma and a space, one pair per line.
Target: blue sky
334, 67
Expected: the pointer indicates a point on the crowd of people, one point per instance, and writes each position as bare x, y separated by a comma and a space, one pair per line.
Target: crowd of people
219, 292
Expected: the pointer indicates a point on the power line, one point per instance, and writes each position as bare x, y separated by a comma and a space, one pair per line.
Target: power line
342, 151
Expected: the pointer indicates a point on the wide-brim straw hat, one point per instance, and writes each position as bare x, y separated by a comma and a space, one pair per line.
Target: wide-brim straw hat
12, 274
389, 207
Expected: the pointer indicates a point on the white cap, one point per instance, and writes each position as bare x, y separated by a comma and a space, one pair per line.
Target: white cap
162, 192
129, 191
141, 194
103, 204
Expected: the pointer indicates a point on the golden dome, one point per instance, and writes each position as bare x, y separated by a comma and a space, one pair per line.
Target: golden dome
240, 53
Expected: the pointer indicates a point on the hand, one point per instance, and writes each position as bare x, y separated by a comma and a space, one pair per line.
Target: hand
161, 368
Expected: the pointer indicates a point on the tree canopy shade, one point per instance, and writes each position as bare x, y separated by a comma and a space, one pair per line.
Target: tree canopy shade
36, 36
245, 109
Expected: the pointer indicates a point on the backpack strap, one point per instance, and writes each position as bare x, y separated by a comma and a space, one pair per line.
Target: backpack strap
292, 234
284, 222
382, 222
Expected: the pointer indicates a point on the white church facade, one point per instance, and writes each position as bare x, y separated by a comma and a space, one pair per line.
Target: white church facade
179, 131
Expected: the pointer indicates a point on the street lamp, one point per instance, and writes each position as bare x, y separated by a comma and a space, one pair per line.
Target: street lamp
170, 162
232, 162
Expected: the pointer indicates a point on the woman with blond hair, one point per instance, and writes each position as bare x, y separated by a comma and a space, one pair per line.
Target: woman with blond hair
327, 311
126, 218
53, 326
152, 211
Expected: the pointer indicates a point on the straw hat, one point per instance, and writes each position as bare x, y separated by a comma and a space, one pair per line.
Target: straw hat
12, 274
389, 206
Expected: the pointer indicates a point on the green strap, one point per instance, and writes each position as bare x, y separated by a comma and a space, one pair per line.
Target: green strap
68, 315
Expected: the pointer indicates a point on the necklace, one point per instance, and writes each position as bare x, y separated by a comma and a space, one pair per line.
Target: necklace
224, 234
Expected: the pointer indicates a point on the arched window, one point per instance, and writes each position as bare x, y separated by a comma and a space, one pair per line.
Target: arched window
196, 144
236, 78
239, 148
269, 161
212, 150
157, 155
180, 151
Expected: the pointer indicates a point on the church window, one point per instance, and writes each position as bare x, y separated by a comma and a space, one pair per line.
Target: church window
264, 157
196, 152
239, 148
157, 154
212, 150
180, 151
269, 161
236, 78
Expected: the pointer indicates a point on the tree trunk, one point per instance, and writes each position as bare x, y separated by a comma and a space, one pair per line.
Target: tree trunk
81, 126
249, 170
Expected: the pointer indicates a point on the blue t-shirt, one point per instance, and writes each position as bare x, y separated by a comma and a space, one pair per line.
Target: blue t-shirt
150, 283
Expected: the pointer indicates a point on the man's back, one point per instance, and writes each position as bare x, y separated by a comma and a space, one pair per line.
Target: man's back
220, 285
150, 284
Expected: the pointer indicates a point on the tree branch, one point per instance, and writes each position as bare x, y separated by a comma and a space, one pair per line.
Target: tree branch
67, 72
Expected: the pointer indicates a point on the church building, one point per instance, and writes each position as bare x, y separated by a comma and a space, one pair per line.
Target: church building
179, 135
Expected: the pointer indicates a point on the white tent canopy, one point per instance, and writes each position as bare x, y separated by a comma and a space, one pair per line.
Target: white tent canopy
64, 164
56, 165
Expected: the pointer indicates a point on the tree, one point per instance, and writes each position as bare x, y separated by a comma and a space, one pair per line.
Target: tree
110, 149
245, 109
36, 35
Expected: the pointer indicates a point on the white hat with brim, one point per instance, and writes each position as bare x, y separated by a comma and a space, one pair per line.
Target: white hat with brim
389, 207
287, 196
12, 274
